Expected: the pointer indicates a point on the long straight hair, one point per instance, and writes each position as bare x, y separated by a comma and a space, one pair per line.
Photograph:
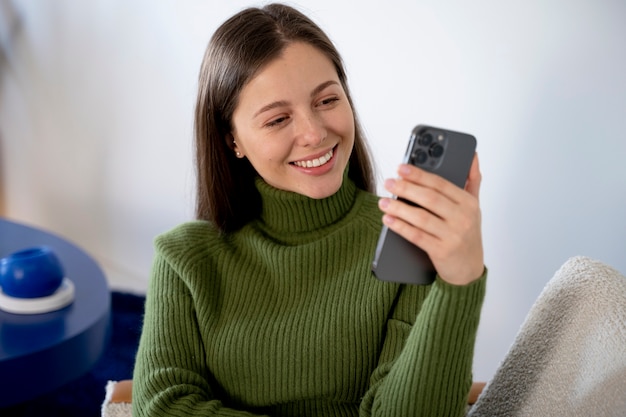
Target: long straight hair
241, 46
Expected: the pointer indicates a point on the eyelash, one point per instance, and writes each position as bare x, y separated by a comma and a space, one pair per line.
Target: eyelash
328, 101
276, 121
325, 102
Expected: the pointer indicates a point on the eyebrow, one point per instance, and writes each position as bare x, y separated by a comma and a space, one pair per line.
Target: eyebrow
281, 103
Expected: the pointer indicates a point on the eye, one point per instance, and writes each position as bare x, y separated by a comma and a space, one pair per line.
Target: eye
277, 121
328, 101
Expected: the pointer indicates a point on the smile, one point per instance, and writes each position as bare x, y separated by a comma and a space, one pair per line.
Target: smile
317, 162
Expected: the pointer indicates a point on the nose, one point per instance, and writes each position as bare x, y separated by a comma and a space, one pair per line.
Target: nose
310, 130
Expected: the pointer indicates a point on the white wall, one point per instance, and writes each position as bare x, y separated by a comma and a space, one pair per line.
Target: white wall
96, 102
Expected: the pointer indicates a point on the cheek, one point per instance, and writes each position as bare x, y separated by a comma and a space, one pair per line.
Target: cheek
347, 128
265, 155
345, 121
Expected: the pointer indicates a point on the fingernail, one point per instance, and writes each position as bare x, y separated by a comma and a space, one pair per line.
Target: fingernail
390, 183
388, 220
383, 203
404, 169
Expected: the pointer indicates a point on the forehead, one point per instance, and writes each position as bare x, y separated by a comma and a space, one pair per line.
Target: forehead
298, 69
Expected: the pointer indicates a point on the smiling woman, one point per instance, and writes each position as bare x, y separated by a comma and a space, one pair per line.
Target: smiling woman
270, 294
303, 139
240, 54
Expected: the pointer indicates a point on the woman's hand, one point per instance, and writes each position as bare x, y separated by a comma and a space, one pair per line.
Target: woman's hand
447, 225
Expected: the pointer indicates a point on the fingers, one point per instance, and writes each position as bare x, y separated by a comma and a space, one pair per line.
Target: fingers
428, 190
416, 224
446, 222
437, 216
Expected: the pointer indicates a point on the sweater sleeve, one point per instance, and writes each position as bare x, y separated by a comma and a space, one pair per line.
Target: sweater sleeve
170, 376
425, 368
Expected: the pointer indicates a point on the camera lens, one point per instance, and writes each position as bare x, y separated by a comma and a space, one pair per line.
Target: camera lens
426, 139
419, 156
436, 150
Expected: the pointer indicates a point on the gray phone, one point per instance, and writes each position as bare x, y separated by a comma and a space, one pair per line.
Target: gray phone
448, 154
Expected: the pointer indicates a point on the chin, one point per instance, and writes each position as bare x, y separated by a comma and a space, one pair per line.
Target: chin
320, 193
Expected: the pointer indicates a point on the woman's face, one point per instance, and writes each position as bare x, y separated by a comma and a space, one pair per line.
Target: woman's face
294, 123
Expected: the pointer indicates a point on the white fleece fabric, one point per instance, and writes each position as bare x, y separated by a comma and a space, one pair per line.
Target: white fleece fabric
110, 409
569, 358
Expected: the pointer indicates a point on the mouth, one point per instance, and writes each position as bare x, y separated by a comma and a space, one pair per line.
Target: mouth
315, 162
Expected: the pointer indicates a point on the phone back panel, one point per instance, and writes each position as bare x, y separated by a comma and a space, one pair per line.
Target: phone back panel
448, 154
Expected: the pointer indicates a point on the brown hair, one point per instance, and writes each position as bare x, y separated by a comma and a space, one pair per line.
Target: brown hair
226, 194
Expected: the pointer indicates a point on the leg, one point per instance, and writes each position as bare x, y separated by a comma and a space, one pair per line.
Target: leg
569, 357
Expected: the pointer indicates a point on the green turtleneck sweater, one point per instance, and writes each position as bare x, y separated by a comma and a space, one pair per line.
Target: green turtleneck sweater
285, 318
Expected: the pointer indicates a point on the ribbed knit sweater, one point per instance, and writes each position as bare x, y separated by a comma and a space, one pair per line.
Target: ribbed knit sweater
285, 318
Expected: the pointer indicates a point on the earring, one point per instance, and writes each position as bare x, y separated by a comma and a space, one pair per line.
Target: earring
236, 151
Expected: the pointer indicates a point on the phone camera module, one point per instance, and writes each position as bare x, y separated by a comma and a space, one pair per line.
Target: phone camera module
419, 156
426, 139
436, 150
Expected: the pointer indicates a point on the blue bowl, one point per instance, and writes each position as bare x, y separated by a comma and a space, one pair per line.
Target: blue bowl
31, 273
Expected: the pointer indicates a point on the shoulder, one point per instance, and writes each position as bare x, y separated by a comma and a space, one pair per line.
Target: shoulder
193, 230
187, 239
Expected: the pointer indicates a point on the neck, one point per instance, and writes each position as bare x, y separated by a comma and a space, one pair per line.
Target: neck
290, 212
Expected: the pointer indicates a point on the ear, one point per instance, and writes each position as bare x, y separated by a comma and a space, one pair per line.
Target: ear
232, 144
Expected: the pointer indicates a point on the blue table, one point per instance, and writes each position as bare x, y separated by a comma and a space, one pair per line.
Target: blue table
41, 352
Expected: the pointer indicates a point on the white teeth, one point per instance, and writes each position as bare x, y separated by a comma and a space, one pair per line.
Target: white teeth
315, 162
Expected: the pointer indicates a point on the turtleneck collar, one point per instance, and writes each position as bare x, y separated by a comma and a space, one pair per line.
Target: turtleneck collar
289, 212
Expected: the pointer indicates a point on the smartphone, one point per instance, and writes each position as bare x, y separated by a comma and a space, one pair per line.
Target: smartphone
446, 153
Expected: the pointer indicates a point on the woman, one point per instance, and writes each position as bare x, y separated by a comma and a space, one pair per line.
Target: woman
267, 305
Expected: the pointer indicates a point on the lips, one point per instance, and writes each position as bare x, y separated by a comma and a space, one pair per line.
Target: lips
316, 162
